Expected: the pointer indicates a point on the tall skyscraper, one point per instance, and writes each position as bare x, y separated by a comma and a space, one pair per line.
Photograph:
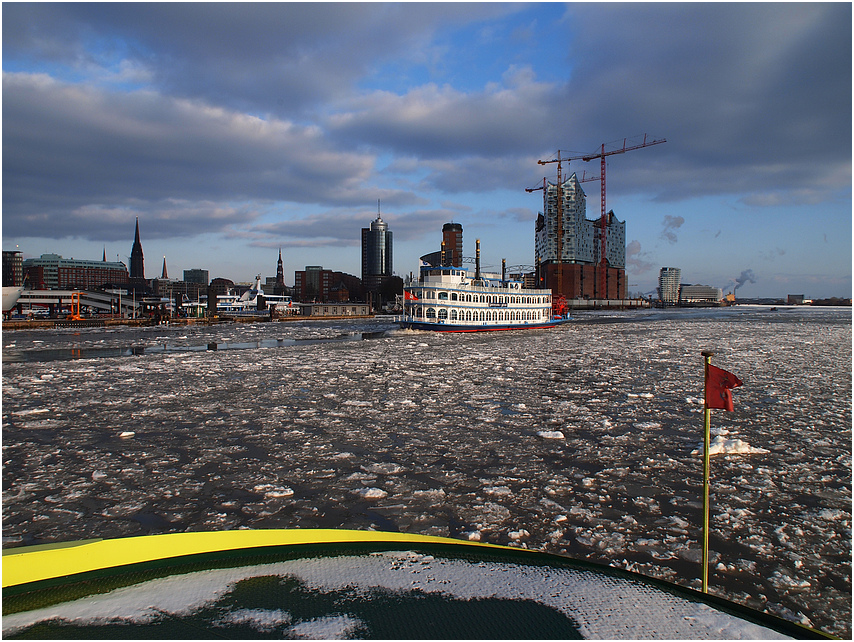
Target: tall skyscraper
669, 279
137, 262
376, 254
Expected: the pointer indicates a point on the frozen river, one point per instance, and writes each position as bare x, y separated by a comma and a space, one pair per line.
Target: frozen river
577, 440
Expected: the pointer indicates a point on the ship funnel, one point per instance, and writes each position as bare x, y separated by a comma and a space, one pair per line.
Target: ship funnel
442, 259
477, 260
503, 270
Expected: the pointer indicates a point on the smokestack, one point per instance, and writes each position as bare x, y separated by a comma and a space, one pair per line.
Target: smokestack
503, 270
477, 260
442, 259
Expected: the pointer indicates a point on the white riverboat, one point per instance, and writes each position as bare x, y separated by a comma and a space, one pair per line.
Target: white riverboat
447, 299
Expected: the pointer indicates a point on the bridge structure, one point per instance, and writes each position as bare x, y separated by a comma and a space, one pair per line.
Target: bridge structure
99, 301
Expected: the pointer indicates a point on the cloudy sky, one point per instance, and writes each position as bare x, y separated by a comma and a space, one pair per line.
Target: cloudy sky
231, 130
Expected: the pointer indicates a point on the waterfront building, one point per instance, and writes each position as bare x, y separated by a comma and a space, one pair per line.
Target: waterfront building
137, 260
694, 294
669, 279
13, 268
53, 272
197, 275
316, 284
376, 255
580, 251
169, 288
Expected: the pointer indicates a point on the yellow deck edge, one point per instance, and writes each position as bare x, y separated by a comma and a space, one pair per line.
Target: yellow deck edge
34, 563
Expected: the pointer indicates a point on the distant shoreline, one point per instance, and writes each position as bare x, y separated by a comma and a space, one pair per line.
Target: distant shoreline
41, 324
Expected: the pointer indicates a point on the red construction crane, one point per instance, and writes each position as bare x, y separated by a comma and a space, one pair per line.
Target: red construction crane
559, 299
627, 147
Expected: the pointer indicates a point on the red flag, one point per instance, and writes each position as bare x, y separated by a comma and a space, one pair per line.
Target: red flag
408, 296
718, 387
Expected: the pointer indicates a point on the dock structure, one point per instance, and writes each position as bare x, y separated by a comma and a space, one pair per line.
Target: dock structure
607, 304
104, 302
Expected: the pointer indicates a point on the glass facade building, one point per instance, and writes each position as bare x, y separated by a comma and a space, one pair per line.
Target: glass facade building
376, 254
669, 279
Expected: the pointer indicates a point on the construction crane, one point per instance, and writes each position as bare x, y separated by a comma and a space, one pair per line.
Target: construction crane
558, 298
602, 154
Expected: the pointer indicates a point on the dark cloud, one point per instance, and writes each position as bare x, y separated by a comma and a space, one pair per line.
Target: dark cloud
440, 122
71, 149
260, 57
339, 228
249, 105
753, 98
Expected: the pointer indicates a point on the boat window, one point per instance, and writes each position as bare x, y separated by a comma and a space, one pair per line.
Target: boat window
431, 313
468, 298
454, 296
443, 313
443, 296
453, 315
468, 315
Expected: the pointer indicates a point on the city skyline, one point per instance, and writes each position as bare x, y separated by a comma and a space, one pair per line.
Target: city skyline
286, 128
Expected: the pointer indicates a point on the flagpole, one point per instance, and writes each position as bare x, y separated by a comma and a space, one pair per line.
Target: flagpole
707, 437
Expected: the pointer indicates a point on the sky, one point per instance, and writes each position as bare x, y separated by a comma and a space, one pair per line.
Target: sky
231, 130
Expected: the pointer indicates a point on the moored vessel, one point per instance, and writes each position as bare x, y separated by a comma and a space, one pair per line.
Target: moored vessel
447, 299
253, 302
11, 294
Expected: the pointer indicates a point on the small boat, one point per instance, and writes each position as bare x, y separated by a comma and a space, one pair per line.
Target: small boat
337, 584
447, 299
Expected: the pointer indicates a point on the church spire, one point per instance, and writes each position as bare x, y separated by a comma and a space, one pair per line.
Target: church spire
164, 276
280, 275
137, 261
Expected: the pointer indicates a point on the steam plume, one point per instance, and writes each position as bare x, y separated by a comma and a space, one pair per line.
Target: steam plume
747, 276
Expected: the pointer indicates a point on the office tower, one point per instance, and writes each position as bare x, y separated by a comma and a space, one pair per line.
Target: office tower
668, 285
376, 254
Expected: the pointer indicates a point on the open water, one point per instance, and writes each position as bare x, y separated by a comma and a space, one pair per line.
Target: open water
579, 440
